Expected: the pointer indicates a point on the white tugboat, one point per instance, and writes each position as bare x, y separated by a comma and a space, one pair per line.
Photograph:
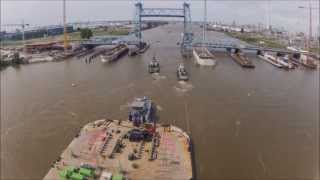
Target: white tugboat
154, 65
182, 73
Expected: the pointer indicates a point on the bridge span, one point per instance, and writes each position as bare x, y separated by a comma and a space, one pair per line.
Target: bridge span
132, 40
187, 41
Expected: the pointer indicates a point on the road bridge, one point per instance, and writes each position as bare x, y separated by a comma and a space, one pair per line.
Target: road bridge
229, 46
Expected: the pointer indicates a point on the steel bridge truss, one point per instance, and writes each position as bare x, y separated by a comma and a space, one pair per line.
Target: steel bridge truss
140, 13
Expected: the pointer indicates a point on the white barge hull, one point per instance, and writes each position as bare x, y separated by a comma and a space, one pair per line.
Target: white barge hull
266, 58
203, 61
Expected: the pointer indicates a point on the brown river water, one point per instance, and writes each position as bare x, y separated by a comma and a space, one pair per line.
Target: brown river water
246, 124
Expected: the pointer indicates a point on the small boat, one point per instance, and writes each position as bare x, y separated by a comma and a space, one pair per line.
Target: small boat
141, 111
204, 57
295, 59
270, 59
154, 65
144, 48
133, 52
285, 62
182, 74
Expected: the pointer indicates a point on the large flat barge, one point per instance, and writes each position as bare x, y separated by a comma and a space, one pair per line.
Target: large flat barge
204, 57
114, 53
242, 60
115, 149
270, 59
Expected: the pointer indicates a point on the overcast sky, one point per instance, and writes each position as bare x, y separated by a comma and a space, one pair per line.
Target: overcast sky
47, 12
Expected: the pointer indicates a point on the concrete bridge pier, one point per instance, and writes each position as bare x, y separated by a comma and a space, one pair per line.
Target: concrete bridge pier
237, 50
259, 52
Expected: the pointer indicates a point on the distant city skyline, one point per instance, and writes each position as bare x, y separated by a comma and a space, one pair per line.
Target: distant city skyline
283, 14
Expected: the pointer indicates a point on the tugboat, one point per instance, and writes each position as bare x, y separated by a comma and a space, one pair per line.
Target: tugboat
111, 149
154, 65
141, 111
182, 74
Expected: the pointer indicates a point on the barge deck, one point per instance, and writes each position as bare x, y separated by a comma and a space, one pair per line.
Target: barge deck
204, 57
114, 149
242, 60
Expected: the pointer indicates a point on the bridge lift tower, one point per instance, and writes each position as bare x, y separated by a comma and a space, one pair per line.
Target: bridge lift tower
140, 12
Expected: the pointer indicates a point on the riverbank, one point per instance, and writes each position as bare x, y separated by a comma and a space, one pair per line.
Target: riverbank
258, 40
73, 37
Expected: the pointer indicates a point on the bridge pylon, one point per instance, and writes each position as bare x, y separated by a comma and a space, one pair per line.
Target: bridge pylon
140, 12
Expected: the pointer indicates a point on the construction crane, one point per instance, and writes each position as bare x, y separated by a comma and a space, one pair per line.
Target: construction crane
22, 25
310, 23
65, 33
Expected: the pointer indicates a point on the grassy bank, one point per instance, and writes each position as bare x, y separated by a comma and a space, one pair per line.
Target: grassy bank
258, 40
74, 36
315, 50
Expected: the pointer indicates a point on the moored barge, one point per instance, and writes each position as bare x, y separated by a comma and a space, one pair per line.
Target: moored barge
115, 53
204, 57
110, 149
241, 59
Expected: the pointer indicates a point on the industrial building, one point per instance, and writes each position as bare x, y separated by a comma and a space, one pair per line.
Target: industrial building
35, 33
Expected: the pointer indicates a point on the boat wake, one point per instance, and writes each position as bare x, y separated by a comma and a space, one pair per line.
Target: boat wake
157, 76
159, 108
125, 106
183, 87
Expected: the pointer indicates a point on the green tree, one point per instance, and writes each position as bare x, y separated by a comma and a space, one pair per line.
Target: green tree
85, 33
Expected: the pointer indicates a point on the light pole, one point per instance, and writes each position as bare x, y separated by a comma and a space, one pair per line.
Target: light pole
23, 25
310, 22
